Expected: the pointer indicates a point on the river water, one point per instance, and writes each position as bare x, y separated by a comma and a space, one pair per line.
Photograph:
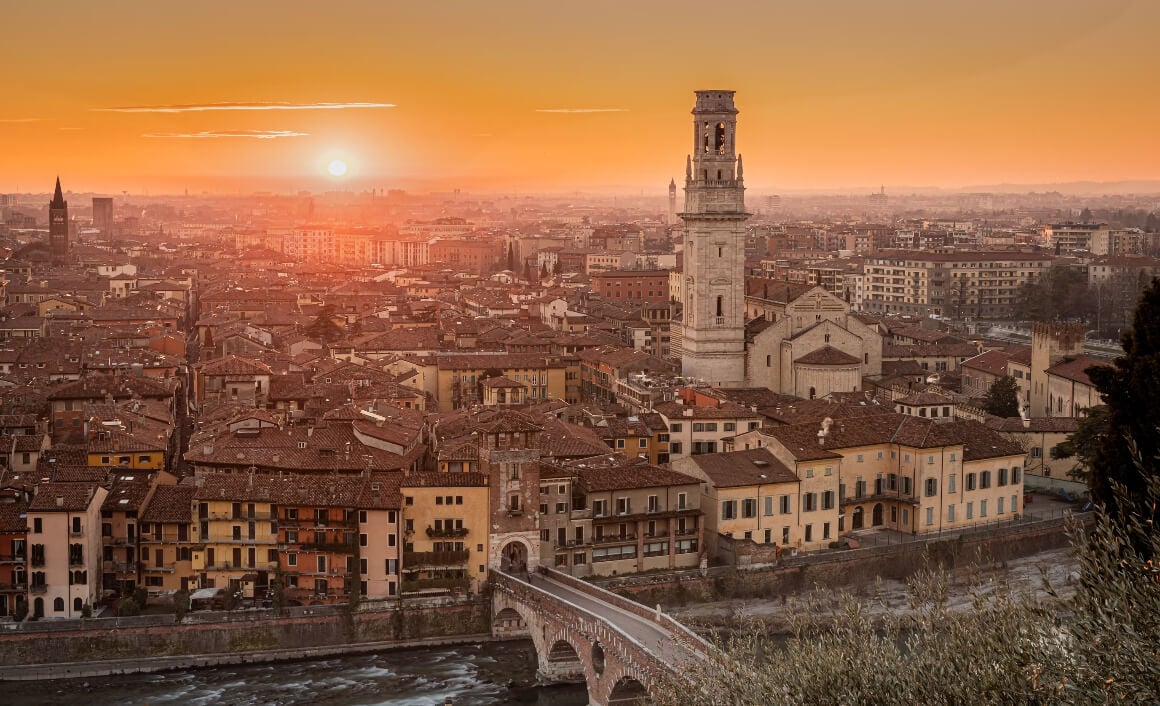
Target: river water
472, 675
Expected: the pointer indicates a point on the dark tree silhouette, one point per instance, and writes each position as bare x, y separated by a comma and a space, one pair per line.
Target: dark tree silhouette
1002, 399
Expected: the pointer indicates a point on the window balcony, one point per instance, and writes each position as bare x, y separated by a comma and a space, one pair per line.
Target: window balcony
38, 588
447, 532
614, 539
414, 560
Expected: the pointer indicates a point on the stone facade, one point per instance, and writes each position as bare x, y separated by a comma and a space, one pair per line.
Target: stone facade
713, 325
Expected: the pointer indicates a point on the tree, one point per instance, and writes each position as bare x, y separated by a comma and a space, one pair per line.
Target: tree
128, 607
556, 267
1085, 443
1006, 647
323, 327
1131, 389
1002, 399
1085, 216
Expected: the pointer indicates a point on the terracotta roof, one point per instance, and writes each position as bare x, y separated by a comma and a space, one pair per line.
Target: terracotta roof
925, 398
127, 493
992, 362
1075, 369
828, 355
444, 480
62, 497
170, 503
1015, 425
595, 480
741, 468
13, 517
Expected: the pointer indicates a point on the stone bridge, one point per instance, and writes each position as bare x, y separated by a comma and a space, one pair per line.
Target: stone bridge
620, 648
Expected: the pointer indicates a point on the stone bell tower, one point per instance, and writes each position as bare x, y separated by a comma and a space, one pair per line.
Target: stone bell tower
713, 327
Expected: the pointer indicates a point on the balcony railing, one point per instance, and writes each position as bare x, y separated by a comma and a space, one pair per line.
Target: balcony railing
164, 568
883, 495
237, 516
614, 538
687, 532
447, 532
451, 558
8, 587
326, 547
38, 588
12, 558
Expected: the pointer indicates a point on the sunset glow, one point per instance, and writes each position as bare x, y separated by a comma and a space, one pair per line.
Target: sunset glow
336, 168
546, 97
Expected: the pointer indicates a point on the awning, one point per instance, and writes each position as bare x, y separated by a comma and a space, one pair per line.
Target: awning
204, 594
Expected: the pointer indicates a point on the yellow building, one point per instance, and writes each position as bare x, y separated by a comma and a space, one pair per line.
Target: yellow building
445, 524
167, 539
235, 544
460, 377
747, 494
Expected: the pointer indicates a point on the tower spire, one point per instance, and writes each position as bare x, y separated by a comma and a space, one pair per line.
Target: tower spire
688, 167
58, 197
740, 169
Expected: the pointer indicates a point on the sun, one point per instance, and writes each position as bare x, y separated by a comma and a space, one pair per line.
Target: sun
337, 168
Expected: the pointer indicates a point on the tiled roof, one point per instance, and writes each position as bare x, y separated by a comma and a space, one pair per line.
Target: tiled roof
444, 480
741, 468
595, 480
991, 362
13, 517
1075, 369
170, 503
62, 497
828, 355
127, 492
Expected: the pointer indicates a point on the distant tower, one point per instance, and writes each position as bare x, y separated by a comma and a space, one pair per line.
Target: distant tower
672, 201
103, 215
713, 329
58, 224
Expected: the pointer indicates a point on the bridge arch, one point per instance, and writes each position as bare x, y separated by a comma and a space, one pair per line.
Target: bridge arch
628, 692
516, 556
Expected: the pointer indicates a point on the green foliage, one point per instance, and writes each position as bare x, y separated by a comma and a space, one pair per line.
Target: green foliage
128, 607
86, 611
141, 597
1002, 399
323, 327
1086, 443
180, 604
1131, 389
21, 611
1007, 647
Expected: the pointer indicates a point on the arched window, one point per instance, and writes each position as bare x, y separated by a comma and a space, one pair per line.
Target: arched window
719, 177
768, 361
720, 138
78, 605
720, 306
58, 605
813, 393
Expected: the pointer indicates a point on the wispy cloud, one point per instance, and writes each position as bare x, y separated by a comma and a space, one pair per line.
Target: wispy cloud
255, 134
20, 120
204, 107
581, 110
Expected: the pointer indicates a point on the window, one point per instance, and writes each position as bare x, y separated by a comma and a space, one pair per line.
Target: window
809, 502
999, 505
624, 506
826, 530
985, 480
971, 481
1016, 475
784, 505
729, 510
951, 483
930, 516
362, 540
599, 508
950, 513
749, 508
931, 487
730, 426
675, 427
675, 447
1014, 503
37, 525
768, 506
682, 501
809, 473
970, 511
828, 500
982, 508
643, 443
809, 533
1002, 477
291, 559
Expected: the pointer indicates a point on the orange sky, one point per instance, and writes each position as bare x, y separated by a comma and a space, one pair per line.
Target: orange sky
833, 93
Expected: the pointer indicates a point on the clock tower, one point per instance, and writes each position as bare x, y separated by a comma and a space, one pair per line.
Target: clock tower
58, 224
713, 325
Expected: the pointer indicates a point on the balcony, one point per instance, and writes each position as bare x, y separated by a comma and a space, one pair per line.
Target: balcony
656, 535
38, 588
325, 547
414, 560
614, 539
20, 587
12, 558
237, 516
687, 532
882, 495
447, 532
163, 569
581, 514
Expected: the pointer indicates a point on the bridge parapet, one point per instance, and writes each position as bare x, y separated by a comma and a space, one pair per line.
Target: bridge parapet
663, 620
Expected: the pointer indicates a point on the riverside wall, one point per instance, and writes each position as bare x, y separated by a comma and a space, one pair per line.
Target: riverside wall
854, 571
243, 641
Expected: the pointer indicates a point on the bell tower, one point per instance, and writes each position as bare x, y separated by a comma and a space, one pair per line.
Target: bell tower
713, 328
58, 225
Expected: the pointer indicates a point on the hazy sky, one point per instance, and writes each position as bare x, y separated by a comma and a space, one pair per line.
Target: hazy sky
832, 93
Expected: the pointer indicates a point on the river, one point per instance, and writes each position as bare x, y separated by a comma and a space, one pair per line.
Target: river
472, 675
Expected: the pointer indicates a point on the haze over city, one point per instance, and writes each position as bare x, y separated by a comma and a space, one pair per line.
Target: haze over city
535, 97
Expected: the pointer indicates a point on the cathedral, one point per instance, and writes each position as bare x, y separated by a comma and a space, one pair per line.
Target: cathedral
793, 339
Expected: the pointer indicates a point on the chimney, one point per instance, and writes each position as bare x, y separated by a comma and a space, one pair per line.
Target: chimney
60, 501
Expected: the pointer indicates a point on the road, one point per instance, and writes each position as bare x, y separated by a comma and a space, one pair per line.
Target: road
652, 636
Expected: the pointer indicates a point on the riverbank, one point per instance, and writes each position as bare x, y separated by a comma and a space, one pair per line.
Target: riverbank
149, 665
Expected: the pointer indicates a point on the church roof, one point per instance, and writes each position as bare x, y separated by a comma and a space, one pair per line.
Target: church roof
828, 355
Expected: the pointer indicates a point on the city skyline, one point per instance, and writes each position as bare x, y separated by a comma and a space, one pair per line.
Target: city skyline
543, 99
